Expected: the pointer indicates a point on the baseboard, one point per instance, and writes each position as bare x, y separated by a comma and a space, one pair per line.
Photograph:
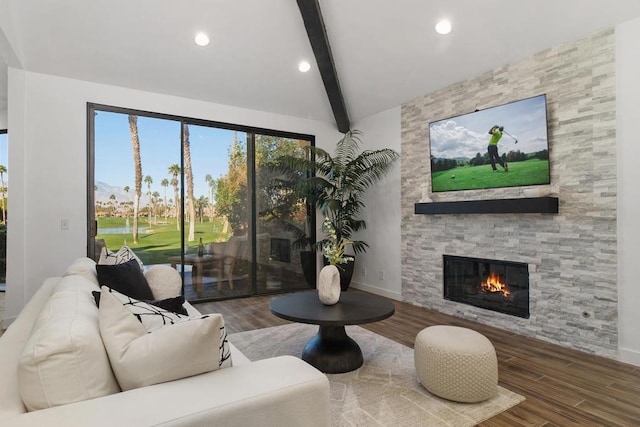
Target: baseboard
376, 290
629, 356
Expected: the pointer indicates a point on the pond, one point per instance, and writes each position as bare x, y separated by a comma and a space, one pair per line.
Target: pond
119, 230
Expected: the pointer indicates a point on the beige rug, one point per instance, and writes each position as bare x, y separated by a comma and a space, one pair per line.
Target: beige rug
384, 391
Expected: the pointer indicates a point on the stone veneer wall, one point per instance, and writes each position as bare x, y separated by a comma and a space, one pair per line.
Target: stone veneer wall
572, 255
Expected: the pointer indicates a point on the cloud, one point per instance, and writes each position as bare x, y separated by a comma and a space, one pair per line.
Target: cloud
449, 139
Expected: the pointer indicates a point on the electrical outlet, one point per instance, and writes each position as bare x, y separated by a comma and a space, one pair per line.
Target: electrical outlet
64, 224
364, 271
381, 274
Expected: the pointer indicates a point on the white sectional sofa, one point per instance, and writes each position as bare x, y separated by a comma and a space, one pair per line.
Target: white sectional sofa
280, 391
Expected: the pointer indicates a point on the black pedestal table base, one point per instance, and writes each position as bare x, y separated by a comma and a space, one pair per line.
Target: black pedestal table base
332, 351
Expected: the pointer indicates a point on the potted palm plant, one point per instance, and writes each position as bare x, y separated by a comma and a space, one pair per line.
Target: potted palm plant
336, 185
303, 238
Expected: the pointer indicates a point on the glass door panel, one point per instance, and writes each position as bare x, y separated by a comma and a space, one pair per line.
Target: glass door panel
133, 201
283, 226
216, 225
4, 184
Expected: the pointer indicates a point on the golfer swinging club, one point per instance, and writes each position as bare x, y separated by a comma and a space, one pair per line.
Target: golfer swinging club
496, 134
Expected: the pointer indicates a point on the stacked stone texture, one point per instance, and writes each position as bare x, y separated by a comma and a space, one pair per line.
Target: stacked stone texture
572, 255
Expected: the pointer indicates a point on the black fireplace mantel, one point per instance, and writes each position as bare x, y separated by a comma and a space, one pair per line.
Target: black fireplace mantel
497, 206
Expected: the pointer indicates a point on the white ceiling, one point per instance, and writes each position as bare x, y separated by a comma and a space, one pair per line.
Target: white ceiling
386, 52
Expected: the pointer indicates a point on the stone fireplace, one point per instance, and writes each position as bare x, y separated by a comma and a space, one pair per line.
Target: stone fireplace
496, 285
571, 255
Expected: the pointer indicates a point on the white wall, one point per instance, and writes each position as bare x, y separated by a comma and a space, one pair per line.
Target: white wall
382, 212
627, 119
9, 40
47, 118
3, 119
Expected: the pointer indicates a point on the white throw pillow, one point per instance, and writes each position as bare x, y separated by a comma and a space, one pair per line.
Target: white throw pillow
85, 267
123, 255
139, 358
153, 318
164, 281
64, 359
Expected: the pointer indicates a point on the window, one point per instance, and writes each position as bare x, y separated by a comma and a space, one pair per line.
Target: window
4, 185
202, 197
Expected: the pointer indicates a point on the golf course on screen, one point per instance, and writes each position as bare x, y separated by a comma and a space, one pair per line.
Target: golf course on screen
528, 172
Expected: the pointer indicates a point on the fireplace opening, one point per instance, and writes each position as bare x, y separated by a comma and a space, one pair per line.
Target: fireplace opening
501, 286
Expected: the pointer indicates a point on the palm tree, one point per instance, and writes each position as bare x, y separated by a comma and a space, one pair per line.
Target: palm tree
189, 177
211, 183
201, 207
3, 193
126, 189
135, 143
148, 180
154, 199
339, 183
165, 184
112, 201
175, 172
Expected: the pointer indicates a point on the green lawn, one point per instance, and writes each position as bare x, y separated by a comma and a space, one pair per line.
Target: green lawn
157, 242
530, 172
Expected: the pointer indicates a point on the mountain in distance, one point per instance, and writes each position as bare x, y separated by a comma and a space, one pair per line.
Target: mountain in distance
104, 191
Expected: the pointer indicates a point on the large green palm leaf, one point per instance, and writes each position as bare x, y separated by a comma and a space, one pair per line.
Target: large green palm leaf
336, 184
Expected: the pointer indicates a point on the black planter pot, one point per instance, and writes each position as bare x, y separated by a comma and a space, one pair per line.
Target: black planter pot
308, 262
346, 272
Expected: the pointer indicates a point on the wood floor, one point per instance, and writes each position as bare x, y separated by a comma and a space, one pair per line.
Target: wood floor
562, 387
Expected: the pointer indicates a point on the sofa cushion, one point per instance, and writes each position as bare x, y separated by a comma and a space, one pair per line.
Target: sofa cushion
139, 358
64, 359
124, 254
164, 281
126, 278
85, 267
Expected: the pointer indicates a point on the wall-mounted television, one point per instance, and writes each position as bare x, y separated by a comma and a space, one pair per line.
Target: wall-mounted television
501, 146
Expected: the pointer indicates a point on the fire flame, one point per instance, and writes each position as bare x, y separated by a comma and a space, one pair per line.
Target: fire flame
493, 283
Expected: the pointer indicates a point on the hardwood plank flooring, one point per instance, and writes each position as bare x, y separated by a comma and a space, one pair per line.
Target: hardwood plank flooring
563, 387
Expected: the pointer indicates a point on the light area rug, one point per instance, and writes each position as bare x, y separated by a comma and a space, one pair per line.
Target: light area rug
384, 391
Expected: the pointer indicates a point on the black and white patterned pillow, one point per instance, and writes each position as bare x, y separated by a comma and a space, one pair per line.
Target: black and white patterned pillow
175, 304
154, 318
225, 350
151, 316
123, 255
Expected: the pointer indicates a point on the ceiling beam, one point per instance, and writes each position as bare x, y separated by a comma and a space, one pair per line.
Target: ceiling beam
313, 22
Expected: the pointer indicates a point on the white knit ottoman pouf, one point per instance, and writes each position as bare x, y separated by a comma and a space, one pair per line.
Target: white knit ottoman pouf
456, 363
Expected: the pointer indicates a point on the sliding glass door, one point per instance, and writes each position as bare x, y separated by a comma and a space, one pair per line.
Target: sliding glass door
133, 156
204, 198
284, 227
4, 184
216, 213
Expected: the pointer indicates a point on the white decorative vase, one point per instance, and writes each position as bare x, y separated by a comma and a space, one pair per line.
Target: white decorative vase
329, 285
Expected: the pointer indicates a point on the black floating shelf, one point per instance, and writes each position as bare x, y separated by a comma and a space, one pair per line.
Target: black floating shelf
498, 206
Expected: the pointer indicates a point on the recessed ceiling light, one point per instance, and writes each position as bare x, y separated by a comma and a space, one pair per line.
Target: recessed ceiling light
201, 39
304, 66
443, 27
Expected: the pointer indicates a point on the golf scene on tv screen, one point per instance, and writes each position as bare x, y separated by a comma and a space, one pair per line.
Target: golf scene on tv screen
502, 146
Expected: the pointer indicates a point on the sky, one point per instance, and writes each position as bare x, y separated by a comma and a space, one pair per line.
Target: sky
466, 135
159, 149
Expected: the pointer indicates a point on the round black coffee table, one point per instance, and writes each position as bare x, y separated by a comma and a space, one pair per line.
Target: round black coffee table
331, 350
